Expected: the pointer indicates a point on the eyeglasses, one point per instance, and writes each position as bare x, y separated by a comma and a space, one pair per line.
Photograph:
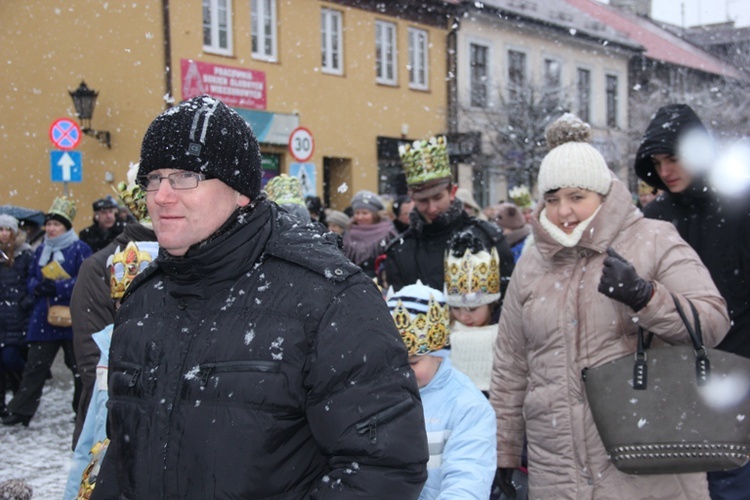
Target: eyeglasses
177, 180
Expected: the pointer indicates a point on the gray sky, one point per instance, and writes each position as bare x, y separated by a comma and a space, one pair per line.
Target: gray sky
693, 12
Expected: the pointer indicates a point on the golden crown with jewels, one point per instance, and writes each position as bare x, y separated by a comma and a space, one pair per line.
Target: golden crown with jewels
64, 207
285, 189
134, 197
472, 279
426, 161
422, 332
125, 265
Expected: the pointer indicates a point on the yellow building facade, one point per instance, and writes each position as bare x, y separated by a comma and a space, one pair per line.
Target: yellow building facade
357, 77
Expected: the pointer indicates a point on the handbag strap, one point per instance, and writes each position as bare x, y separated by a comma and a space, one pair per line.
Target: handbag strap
702, 363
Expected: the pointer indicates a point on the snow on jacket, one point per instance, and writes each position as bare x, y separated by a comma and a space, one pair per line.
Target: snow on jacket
461, 433
555, 323
718, 229
39, 329
419, 252
14, 315
92, 309
262, 364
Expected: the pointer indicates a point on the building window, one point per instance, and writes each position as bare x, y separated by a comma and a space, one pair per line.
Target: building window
480, 74
516, 74
217, 26
385, 52
552, 75
584, 94
418, 60
263, 28
331, 35
612, 101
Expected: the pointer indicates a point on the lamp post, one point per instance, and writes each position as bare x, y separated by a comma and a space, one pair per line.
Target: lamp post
84, 100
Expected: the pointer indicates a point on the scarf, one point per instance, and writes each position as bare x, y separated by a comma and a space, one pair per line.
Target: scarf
52, 247
560, 236
364, 242
443, 221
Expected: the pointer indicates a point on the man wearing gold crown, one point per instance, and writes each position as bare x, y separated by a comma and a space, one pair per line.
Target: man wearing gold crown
417, 254
90, 305
251, 359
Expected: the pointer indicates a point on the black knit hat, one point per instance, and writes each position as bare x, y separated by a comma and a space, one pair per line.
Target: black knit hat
669, 124
204, 135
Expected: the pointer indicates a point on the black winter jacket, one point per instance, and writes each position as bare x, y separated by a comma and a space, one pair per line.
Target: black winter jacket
98, 238
419, 252
263, 364
15, 306
718, 229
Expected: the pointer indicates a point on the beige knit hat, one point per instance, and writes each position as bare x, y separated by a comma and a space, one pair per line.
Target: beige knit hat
572, 161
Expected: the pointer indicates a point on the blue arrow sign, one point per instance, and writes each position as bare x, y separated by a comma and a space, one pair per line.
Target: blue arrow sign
65, 166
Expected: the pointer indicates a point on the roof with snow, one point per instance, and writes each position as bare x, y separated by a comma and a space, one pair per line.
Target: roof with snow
660, 44
559, 14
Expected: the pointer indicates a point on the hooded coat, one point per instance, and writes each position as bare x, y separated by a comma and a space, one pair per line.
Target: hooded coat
419, 252
555, 323
717, 227
262, 364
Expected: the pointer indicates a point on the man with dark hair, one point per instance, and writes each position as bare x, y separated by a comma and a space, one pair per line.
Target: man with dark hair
419, 252
251, 359
715, 225
106, 225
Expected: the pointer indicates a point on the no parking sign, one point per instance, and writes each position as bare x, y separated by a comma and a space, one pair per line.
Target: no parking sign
65, 134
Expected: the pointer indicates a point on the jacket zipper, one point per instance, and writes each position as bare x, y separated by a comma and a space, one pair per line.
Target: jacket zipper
370, 426
208, 369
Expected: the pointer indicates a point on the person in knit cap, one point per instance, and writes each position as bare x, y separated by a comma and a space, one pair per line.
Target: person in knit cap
15, 259
286, 191
511, 220
251, 359
370, 232
716, 225
598, 272
338, 222
418, 252
90, 305
459, 420
52, 276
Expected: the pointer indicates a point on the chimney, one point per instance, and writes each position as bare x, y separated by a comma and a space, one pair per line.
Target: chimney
638, 7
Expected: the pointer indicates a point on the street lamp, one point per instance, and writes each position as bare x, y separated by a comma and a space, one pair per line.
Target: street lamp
84, 99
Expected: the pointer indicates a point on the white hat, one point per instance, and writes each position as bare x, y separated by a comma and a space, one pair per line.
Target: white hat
573, 162
10, 222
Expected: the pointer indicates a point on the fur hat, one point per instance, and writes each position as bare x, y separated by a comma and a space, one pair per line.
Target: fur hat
421, 317
204, 135
10, 222
572, 161
63, 210
338, 218
509, 217
366, 200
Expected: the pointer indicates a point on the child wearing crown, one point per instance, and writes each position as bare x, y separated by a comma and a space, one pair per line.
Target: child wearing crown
459, 421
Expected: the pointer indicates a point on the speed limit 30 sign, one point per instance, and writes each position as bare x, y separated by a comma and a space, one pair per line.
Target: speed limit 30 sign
301, 144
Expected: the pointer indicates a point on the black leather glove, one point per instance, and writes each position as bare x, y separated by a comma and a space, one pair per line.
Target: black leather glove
504, 482
46, 288
621, 282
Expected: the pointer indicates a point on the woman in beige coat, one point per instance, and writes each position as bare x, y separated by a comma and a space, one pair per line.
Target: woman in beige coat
598, 270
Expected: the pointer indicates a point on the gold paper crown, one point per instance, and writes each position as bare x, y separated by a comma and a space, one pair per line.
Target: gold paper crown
64, 207
644, 188
472, 279
124, 266
422, 333
425, 161
284, 189
134, 197
520, 196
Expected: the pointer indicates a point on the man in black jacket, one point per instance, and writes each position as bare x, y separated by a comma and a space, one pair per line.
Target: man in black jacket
716, 226
106, 225
251, 359
419, 252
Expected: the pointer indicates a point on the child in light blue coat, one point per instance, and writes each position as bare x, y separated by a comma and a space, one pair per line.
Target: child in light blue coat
459, 420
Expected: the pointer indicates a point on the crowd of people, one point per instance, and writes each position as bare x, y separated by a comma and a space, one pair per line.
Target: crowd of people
238, 340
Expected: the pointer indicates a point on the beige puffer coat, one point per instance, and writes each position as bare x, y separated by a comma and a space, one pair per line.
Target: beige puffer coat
555, 323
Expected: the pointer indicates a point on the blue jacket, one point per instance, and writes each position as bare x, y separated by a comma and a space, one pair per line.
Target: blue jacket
39, 329
461, 435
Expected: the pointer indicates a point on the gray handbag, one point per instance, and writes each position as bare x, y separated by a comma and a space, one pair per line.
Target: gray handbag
673, 409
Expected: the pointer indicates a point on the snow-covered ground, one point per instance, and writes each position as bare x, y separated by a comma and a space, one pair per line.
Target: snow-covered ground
41, 453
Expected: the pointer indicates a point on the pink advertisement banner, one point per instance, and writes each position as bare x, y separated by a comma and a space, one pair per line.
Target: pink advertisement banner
237, 87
